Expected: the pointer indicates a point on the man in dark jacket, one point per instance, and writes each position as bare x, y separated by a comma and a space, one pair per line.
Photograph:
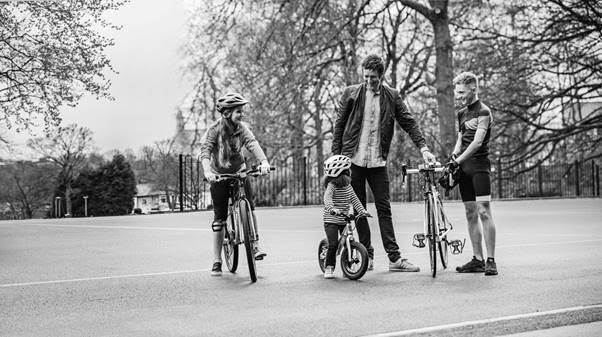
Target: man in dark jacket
363, 131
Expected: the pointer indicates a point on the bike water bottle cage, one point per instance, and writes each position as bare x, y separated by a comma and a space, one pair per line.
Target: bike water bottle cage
457, 246
418, 240
217, 225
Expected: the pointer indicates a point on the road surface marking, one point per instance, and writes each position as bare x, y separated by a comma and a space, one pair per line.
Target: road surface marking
267, 264
484, 321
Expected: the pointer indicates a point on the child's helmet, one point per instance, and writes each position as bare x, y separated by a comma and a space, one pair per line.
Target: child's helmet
334, 165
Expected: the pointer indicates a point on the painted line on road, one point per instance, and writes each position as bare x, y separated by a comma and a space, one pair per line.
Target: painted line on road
7, 285
121, 227
438, 328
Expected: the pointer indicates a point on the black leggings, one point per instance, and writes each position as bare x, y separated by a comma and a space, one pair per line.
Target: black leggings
220, 194
332, 235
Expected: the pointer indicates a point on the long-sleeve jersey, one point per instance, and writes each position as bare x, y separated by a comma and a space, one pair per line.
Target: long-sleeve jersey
340, 198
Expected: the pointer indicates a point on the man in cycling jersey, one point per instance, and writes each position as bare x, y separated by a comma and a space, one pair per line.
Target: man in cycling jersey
471, 154
365, 119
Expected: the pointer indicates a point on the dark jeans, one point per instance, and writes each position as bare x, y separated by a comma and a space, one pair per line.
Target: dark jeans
378, 180
332, 235
219, 196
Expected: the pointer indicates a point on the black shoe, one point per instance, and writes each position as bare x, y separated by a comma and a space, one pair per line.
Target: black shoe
217, 269
490, 268
473, 266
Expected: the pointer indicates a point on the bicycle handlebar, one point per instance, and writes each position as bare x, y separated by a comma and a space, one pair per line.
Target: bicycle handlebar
351, 216
239, 175
437, 167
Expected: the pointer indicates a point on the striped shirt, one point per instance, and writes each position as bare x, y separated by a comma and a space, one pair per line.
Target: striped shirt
340, 198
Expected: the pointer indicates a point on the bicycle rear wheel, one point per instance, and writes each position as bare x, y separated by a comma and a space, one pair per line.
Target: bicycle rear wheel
357, 267
431, 234
322, 251
230, 245
247, 222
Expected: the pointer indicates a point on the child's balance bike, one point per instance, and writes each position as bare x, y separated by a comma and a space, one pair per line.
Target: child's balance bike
354, 256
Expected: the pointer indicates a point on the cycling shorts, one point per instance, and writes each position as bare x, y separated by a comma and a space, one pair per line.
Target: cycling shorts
475, 184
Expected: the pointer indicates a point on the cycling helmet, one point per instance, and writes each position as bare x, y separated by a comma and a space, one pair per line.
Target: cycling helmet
334, 165
230, 100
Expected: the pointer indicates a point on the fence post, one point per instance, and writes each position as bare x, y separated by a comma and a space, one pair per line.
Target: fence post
539, 181
499, 177
409, 177
181, 184
304, 180
577, 189
597, 180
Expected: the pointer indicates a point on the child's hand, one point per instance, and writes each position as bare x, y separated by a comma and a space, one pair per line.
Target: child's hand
335, 211
365, 214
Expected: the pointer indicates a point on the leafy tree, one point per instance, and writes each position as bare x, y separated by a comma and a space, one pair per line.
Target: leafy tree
110, 189
50, 55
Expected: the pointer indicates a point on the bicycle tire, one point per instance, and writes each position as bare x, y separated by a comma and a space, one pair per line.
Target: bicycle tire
230, 248
322, 251
443, 243
354, 270
246, 222
430, 236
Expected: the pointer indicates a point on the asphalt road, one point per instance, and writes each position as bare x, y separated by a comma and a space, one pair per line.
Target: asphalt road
149, 276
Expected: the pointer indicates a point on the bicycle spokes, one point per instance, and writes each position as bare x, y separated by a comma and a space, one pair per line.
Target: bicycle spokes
418, 240
457, 246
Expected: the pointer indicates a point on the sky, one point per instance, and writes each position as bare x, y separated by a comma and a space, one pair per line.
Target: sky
149, 84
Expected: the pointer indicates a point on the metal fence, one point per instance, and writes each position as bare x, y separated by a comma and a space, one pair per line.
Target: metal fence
297, 182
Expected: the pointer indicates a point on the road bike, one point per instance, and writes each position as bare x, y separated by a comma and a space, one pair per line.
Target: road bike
436, 223
240, 224
354, 256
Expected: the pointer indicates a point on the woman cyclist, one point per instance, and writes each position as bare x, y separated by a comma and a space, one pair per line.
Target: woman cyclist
221, 152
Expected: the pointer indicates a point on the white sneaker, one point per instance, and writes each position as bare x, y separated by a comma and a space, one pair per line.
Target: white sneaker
329, 272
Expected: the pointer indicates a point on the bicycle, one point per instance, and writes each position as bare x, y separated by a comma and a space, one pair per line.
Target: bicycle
354, 256
240, 226
436, 224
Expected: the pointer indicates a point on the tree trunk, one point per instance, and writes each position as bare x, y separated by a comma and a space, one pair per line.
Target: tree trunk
68, 191
443, 84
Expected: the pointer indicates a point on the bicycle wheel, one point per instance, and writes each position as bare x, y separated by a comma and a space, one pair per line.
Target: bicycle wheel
356, 268
443, 243
246, 222
431, 234
230, 245
322, 250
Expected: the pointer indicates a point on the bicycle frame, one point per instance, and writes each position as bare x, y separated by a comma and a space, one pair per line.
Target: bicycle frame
346, 238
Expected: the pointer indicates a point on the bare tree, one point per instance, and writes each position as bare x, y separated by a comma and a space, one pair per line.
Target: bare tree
67, 148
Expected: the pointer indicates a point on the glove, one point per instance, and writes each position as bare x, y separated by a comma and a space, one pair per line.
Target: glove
264, 168
453, 165
428, 157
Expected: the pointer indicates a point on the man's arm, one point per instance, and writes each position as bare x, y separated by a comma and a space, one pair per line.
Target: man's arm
479, 136
409, 125
456, 150
342, 114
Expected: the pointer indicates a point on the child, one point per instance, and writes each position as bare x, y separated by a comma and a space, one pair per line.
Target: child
221, 152
337, 198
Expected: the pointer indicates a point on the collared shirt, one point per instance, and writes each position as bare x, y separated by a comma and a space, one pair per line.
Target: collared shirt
368, 152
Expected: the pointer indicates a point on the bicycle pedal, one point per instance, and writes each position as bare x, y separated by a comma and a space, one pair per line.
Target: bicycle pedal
418, 240
457, 246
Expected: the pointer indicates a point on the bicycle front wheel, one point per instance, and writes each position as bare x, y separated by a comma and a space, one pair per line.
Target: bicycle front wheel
246, 221
355, 268
443, 243
431, 234
230, 245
